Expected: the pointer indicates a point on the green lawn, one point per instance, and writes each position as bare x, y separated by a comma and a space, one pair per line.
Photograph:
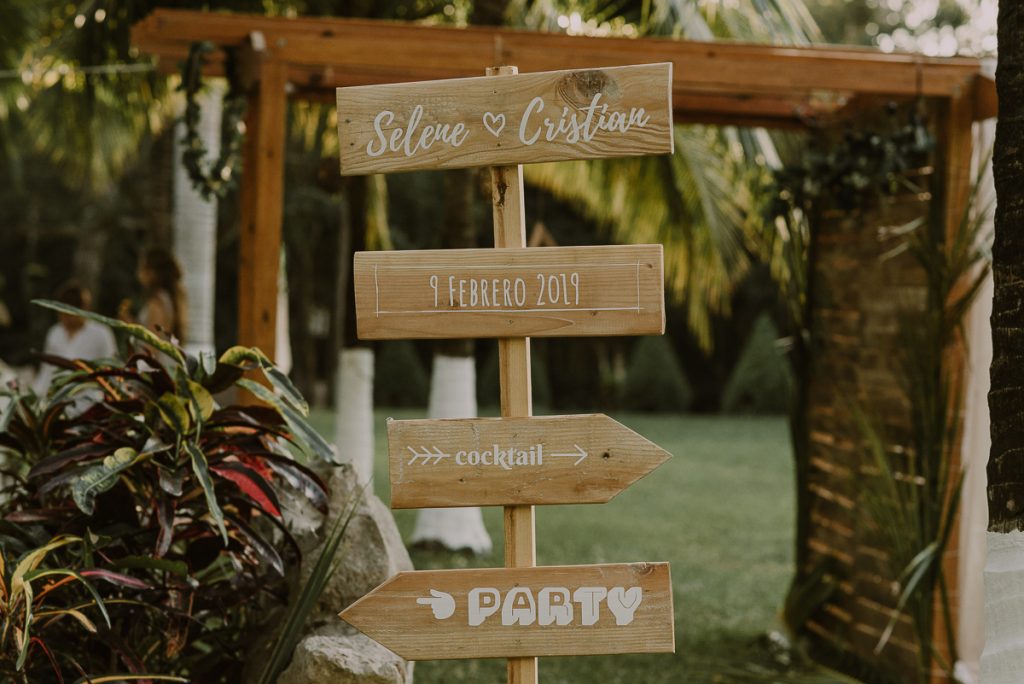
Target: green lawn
720, 511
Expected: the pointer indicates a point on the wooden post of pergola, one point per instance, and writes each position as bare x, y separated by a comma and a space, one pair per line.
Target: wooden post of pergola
718, 83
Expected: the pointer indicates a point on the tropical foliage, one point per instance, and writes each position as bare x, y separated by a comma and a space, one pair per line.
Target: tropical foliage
913, 503
134, 475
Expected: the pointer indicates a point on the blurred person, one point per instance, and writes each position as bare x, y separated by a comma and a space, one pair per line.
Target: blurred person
73, 337
163, 308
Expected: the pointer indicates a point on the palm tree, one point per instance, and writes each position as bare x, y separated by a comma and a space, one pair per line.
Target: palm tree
700, 202
1003, 660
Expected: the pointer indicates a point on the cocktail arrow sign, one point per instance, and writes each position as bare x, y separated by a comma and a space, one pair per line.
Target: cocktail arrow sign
515, 461
512, 612
485, 121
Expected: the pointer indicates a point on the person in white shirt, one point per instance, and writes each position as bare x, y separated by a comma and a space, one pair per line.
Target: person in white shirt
74, 337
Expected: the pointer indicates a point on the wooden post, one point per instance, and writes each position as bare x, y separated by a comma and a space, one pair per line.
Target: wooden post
262, 205
956, 140
514, 371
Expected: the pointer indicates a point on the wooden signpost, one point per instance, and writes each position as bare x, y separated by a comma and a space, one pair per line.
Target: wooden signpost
500, 612
515, 461
540, 292
521, 611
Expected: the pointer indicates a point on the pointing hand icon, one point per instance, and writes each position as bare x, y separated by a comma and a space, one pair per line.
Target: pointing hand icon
441, 603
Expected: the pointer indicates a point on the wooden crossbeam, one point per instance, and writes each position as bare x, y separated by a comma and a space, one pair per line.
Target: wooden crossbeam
771, 82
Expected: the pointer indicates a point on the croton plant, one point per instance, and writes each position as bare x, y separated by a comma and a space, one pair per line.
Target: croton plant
141, 531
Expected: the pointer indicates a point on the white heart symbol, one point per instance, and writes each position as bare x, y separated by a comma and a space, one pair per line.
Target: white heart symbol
494, 123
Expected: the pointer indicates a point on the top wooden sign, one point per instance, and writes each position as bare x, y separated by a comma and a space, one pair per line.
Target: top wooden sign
502, 120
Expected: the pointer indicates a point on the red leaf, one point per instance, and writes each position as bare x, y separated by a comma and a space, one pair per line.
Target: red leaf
254, 486
53, 661
116, 578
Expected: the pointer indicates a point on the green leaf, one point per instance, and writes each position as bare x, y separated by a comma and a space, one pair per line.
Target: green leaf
32, 560
299, 610
7, 412
174, 567
100, 477
244, 357
84, 582
202, 471
283, 384
203, 399
135, 330
78, 615
25, 634
306, 437
172, 410
208, 362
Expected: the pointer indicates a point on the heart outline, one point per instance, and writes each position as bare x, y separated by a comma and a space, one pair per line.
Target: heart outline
494, 123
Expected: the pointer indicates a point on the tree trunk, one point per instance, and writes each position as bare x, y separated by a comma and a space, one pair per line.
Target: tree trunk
195, 225
354, 394
453, 383
1003, 661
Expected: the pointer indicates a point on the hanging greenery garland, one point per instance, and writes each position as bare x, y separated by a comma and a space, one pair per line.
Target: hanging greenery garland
220, 176
862, 166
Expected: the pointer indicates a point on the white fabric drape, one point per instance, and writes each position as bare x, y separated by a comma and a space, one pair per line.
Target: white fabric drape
976, 442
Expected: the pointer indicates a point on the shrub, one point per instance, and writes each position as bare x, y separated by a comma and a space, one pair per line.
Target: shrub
654, 381
399, 377
762, 380
172, 503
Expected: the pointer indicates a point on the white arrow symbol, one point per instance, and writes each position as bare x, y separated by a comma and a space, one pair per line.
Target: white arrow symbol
437, 456
579, 454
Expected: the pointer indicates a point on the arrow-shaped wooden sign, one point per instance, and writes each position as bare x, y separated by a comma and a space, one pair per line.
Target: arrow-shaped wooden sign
543, 292
538, 117
518, 612
586, 458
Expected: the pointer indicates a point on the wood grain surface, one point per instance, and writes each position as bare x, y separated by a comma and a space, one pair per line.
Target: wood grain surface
538, 292
506, 119
586, 458
436, 615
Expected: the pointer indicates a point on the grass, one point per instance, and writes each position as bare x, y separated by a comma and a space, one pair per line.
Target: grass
721, 512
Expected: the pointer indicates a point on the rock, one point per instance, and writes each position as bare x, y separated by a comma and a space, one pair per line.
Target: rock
370, 553
337, 655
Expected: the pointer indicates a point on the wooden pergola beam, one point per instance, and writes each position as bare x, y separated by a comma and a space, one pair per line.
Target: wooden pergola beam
323, 54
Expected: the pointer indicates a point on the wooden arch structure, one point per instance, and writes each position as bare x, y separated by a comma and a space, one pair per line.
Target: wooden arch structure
715, 83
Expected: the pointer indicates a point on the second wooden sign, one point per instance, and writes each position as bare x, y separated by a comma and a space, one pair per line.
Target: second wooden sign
541, 292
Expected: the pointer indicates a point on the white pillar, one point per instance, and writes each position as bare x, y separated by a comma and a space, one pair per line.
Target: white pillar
353, 437
195, 223
1003, 661
977, 439
453, 395
282, 333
